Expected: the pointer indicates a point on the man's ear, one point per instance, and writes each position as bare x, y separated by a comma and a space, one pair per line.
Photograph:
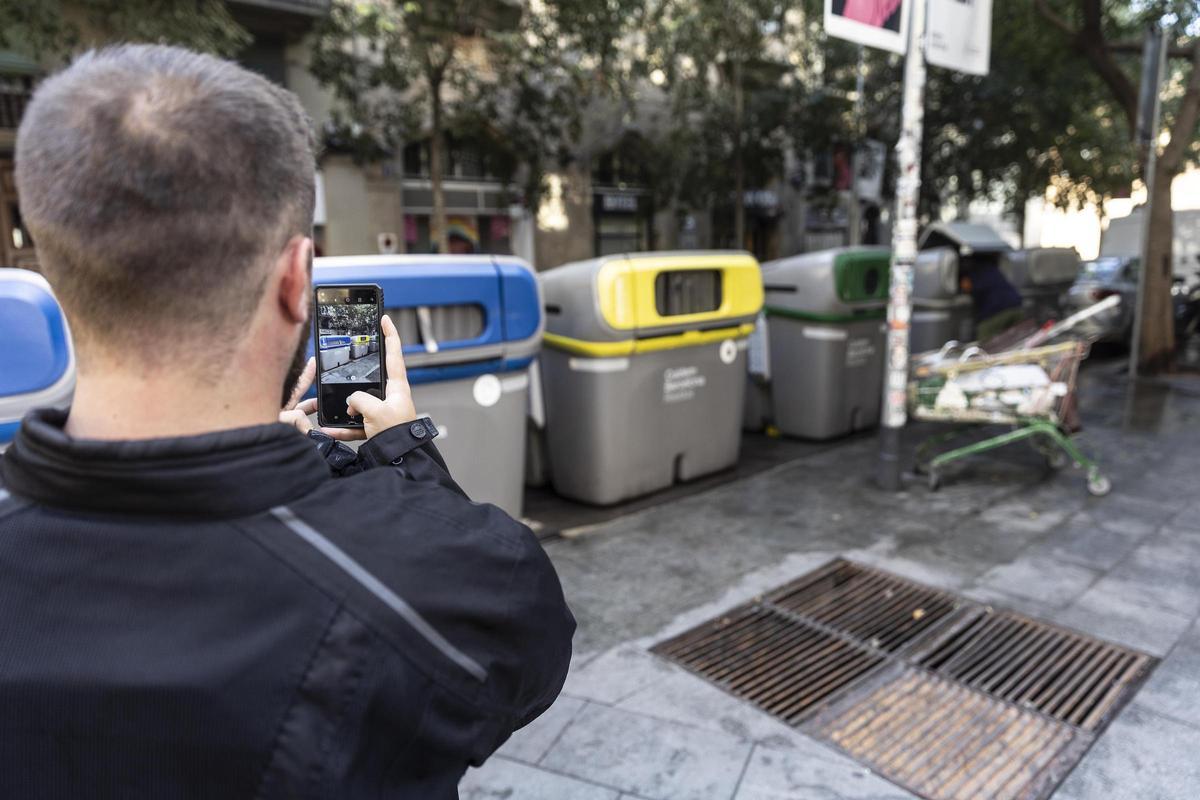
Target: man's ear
295, 277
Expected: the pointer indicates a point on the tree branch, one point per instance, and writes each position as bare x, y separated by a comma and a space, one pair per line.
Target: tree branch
1186, 119
1054, 19
1089, 41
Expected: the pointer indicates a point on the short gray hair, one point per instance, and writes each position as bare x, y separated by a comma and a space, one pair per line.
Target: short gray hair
158, 185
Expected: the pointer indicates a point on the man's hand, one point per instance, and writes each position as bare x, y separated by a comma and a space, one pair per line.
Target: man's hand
296, 412
395, 408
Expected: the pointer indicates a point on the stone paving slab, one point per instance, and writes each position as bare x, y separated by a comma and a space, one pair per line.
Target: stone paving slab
503, 779
652, 758
533, 741
1054, 583
616, 674
812, 775
683, 697
1091, 540
1118, 619
1173, 690
1142, 756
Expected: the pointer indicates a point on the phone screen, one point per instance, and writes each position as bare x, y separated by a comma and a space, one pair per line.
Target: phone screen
349, 349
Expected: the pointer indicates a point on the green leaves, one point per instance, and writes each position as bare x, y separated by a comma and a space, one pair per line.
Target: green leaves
41, 29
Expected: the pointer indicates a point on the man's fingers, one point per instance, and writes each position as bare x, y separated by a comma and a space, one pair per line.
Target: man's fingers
397, 374
361, 403
344, 434
302, 383
308, 406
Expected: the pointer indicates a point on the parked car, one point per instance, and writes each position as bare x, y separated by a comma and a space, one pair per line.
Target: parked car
1097, 280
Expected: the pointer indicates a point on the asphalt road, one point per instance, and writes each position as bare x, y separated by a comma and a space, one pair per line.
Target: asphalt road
363, 370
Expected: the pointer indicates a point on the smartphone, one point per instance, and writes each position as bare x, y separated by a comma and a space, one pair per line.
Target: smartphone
349, 347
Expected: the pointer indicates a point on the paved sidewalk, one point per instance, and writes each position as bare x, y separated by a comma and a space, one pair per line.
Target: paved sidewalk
1003, 531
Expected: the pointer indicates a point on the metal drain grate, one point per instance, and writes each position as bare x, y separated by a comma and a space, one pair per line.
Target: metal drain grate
871, 606
941, 695
1065, 675
947, 742
782, 665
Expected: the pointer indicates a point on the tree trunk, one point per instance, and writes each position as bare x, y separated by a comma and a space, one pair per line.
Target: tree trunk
1157, 344
437, 149
739, 166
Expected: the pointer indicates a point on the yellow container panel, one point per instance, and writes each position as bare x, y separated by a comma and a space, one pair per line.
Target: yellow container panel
626, 289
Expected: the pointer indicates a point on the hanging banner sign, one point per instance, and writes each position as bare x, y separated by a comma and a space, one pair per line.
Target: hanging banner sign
959, 35
874, 23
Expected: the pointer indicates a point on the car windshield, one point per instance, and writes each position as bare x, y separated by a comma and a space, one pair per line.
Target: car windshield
1103, 269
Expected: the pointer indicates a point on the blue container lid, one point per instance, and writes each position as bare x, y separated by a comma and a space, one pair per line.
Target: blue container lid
504, 287
34, 343
328, 342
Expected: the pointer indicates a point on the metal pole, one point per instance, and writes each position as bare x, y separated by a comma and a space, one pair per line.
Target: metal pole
854, 218
904, 253
1154, 64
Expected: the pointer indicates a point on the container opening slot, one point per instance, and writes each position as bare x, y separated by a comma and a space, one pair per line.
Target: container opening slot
687, 291
443, 324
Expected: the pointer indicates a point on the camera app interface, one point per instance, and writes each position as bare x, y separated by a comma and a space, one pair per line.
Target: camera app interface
347, 347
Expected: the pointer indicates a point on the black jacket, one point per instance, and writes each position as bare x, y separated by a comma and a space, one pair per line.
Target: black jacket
220, 616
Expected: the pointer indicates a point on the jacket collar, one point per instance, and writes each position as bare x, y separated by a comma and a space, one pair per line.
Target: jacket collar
223, 474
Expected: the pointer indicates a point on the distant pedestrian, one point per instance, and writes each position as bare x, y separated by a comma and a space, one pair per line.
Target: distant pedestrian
996, 302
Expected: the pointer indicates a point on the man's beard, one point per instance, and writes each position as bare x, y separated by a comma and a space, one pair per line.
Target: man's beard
298, 361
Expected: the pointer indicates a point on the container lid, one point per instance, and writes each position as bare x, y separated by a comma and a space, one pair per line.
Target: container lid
935, 274
505, 288
36, 350
835, 285
966, 237
644, 292
1041, 266
496, 295
330, 340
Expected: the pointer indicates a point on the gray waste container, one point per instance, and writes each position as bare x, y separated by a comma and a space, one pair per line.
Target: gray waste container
1042, 275
825, 337
471, 327
644, 369
940, 312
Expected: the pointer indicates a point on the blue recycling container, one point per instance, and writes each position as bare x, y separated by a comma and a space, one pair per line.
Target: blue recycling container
471, 327
37, 361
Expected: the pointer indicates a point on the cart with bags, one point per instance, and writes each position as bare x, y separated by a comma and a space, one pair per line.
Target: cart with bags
1028, 385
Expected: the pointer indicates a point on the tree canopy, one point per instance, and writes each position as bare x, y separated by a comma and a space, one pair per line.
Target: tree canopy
53, 29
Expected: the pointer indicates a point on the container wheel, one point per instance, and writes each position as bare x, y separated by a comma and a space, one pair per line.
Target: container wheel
1098, 485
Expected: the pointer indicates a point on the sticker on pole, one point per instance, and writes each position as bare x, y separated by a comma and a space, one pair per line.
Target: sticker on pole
728, 351
874, 23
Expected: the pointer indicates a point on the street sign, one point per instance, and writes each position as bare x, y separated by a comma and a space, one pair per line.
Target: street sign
875, 23
959, 35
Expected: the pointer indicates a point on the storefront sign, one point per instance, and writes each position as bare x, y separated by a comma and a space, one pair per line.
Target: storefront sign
626, 203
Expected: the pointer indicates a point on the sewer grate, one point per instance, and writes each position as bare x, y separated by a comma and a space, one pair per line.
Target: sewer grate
1065, 675
782, 665
873, 607
945, 741
942, 695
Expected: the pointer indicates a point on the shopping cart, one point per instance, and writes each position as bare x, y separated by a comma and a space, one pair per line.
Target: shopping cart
1029, 386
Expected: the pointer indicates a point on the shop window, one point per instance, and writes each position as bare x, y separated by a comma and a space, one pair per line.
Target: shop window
620, 234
